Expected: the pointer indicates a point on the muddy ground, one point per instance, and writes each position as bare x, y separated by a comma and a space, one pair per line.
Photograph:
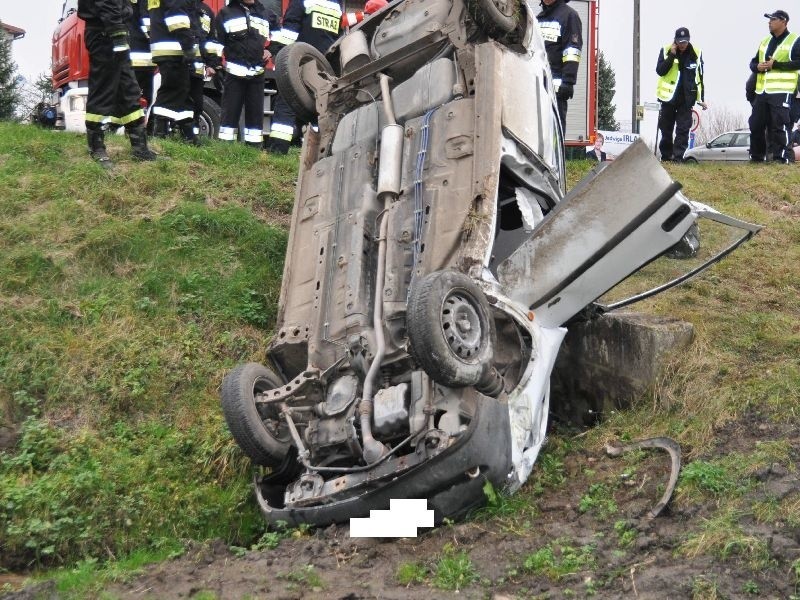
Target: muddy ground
328, 564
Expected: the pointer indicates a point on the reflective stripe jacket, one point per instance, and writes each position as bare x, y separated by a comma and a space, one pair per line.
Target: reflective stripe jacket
682, 72
315, 22
243, 30
561, 30
171, 31
208, 50
108, 15
783, 77
139, 35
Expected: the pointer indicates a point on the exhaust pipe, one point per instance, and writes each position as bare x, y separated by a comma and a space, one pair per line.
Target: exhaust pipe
389, 177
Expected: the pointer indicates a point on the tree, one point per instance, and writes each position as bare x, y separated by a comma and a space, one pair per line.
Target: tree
32, 95
606, 88
9, 84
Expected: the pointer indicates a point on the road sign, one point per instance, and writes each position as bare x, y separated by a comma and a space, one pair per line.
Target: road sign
695, 120
652, 106
640, 113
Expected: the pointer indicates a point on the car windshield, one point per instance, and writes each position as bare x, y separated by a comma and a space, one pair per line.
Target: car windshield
723, 140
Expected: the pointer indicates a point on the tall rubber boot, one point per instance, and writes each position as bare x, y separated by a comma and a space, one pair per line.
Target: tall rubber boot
97, 147
139, 149
187, 133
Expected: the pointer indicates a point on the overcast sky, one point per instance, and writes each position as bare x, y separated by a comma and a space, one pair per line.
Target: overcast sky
728, 32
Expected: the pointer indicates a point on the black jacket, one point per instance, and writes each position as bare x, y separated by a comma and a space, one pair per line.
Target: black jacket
244, 30
139, 29
171, 35
315, 22
209, 51
109, 15
688, 64
563, 39
592, 155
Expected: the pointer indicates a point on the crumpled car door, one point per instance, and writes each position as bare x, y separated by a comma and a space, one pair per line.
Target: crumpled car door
614, 222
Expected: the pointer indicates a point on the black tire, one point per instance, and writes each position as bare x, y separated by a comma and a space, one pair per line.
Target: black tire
690, 160
497, 18
298, 95
449, 354
210, 118
258, 430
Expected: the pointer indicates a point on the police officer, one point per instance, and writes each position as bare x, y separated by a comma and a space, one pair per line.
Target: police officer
680, 86
776, 65
113, 91
315, 22
563, 39
243, 28
173, 45
139, 32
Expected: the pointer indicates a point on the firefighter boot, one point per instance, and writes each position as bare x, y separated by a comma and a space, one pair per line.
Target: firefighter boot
277, 146
97, 147
139, 148
188, 134
161, 126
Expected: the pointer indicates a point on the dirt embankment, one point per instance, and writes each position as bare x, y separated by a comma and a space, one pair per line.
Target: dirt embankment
608, 550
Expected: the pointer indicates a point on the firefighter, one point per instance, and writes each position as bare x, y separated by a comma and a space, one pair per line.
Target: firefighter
680, 87
243, 28
142, 60
315, 22
173, 44
563, 40
352, 19
776, 65
208, 58
113, 91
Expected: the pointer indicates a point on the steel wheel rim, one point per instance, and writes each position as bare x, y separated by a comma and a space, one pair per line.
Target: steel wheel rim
462, 325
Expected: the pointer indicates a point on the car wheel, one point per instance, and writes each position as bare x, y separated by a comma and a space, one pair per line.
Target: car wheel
210, 118
690, 160
497, 18
257, 428
292, 81
450, 330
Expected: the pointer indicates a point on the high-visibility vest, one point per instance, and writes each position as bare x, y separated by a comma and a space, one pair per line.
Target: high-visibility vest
669, 82
777, 81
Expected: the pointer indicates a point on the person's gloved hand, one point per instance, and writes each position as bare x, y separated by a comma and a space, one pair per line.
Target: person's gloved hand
373, 6
119, 39
565, 91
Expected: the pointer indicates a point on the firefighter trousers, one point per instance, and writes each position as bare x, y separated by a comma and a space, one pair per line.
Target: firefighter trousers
173, 99
196, 88
113, 91
282, 128
247, 92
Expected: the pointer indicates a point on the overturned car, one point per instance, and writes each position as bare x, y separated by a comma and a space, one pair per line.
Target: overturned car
433, 263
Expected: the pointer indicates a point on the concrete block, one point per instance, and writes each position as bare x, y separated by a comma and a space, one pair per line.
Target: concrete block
610, 362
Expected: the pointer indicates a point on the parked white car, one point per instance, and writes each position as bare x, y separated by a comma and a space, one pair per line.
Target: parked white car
730, 146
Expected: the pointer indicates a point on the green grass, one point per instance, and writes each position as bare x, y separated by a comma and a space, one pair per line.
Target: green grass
126, 296
454, 570
411, 572
558, 559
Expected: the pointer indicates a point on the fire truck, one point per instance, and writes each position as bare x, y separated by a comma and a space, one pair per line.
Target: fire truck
70, 73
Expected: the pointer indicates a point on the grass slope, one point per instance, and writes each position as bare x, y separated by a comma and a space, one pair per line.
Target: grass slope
124, 298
